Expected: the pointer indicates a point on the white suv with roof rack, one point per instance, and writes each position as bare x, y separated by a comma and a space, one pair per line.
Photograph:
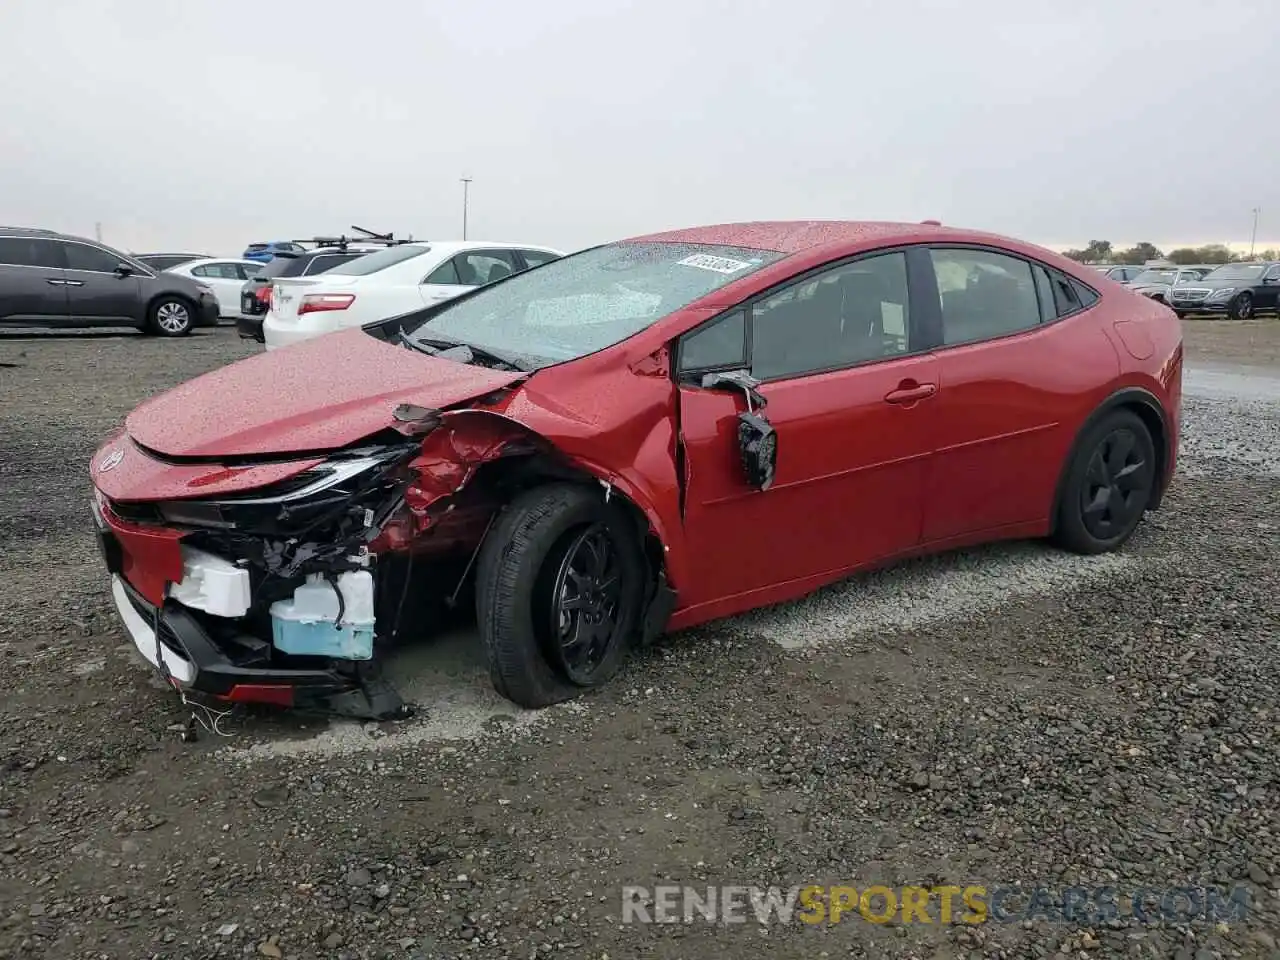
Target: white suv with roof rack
396, 280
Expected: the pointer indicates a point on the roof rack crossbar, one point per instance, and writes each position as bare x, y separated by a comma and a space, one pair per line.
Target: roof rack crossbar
368, 236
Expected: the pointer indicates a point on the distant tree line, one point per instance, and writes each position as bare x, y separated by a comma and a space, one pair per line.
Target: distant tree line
1101, 251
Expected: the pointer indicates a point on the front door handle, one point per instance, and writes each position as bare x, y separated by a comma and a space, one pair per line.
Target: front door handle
55, 283
909, 392
73, 283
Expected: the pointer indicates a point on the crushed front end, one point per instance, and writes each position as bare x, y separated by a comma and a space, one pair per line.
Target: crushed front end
271, 593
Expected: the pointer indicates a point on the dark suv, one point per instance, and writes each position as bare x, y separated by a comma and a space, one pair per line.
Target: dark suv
50, 279
254, 302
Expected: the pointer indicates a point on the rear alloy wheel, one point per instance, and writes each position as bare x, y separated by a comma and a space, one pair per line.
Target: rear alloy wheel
171, 317
1108, 485
560, 583
1241, 307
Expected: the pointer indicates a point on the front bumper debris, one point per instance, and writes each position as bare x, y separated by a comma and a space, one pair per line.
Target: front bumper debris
200, 651
239, 668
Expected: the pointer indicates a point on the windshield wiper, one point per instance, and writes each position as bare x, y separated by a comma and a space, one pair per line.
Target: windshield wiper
460, 351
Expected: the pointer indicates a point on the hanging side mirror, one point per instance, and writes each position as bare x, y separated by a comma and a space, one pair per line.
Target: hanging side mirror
757, 440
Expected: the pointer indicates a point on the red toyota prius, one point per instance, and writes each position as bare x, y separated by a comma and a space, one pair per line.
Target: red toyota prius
636, 438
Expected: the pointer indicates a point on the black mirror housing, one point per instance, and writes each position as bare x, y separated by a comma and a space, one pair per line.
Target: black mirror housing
758, 445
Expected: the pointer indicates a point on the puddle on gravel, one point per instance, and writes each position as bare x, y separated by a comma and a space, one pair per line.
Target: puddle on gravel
932, 590
1227, 382
448, 680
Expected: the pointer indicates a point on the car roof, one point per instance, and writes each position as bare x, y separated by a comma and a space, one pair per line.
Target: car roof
799, 236
36, 232
460, 246
199, 261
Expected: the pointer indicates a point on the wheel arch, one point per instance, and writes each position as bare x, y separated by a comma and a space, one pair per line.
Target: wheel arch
1147, 406
535, 470
155, 298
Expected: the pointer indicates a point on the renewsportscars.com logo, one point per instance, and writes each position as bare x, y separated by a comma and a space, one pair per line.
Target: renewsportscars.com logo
943, 905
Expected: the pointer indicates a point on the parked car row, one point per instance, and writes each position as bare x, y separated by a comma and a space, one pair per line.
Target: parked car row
52, 279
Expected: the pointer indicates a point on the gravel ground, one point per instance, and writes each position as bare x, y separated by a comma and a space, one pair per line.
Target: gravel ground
999, 716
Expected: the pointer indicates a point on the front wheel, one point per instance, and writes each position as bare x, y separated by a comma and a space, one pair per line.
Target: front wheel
1108, 486
560, 583
1241, 307
171, 317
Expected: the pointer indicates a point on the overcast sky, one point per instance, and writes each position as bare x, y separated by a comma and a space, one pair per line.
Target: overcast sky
205, 125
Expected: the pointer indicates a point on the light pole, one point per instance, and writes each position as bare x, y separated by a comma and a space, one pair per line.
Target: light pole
466, 196
1254, 238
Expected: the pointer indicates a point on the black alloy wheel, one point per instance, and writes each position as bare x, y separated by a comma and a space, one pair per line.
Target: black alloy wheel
1117, 485
586, 599
1108, 485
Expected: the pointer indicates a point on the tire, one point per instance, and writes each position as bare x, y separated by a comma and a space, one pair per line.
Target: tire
171, 317
1241, 307
1181, 314
520, 573
1097, 512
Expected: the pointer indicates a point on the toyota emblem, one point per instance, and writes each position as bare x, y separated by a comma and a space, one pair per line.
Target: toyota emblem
111, 461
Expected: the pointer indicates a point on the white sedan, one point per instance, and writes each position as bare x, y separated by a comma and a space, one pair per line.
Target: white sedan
399, 279
225, 277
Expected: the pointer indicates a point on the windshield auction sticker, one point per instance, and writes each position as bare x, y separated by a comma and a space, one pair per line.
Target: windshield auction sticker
705, 261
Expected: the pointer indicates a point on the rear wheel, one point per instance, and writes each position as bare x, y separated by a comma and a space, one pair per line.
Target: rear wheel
1108, 484
559, 590
171, 317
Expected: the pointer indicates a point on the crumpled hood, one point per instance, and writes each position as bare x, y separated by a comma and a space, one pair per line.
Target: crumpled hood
317, 395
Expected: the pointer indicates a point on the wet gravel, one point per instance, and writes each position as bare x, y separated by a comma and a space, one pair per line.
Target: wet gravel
1016, 717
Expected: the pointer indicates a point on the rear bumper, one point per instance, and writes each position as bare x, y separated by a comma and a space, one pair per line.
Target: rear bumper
208, 312
250, 327
276, 334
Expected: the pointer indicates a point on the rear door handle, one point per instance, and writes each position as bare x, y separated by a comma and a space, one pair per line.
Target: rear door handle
910, 392
55, 283
73, 283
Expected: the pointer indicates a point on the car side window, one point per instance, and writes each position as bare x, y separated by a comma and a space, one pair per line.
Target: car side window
247, 271
29, 252
484, 266
1065, 296
1273, 274
81, 256
326, 261
985, 294
1086, 296
721, 344
1044, 293
850, 314
535, 258
218, 271
446, 273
